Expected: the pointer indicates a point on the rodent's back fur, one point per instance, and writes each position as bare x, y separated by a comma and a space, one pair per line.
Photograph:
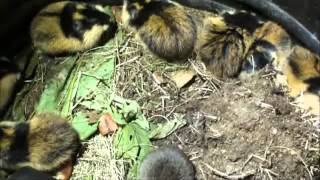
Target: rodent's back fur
168, 163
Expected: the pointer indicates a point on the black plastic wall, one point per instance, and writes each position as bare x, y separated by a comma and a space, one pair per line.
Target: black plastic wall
306, 11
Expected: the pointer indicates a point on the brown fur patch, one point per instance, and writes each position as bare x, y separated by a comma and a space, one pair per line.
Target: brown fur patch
52, 141
49, 142
166, 29
222, 48
302, 65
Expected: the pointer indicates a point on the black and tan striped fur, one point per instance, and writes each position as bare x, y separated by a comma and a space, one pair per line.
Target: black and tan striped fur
166, 29
45, 143
68, 27
223, 47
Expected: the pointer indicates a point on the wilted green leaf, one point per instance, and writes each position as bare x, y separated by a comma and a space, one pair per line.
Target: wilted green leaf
142, 121
162, 130
50, 98
132, 142
128, 108
81, 125
90, 79
117, 117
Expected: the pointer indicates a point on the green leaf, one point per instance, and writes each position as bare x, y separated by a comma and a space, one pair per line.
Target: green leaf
81, 125
142, 121
70, 93
133, 172
117, 117
50, 98
132, 142
162, 130
91, 78
127, 107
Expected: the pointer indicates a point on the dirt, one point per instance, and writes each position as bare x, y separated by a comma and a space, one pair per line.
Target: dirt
245, 129
248, 129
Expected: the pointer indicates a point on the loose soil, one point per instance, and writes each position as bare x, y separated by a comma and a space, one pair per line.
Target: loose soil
248, 129
237, 129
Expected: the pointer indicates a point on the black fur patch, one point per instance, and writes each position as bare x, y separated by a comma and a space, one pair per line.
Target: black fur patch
295, 67
94, 17
30, 173
1, 133
259, 58
77, 28
149, 9
314, 84
243, 20
68, 25
19, 151
7, 67
108, 34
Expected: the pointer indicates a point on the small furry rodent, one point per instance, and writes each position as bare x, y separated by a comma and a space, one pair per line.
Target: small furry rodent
167, 163
45, 143
165, 28
68, 27
222, 47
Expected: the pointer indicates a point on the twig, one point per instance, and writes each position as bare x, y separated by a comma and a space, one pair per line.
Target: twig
230, 177
204, 176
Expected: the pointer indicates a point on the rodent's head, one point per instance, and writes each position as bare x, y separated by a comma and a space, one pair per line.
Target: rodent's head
78, 18
260, 54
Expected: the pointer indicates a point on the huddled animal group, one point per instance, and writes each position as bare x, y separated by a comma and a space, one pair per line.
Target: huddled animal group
226, 43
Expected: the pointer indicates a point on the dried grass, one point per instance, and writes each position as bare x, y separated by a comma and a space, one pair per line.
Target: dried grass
98, 161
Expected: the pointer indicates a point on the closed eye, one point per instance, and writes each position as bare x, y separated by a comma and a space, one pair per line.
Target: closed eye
77, 25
